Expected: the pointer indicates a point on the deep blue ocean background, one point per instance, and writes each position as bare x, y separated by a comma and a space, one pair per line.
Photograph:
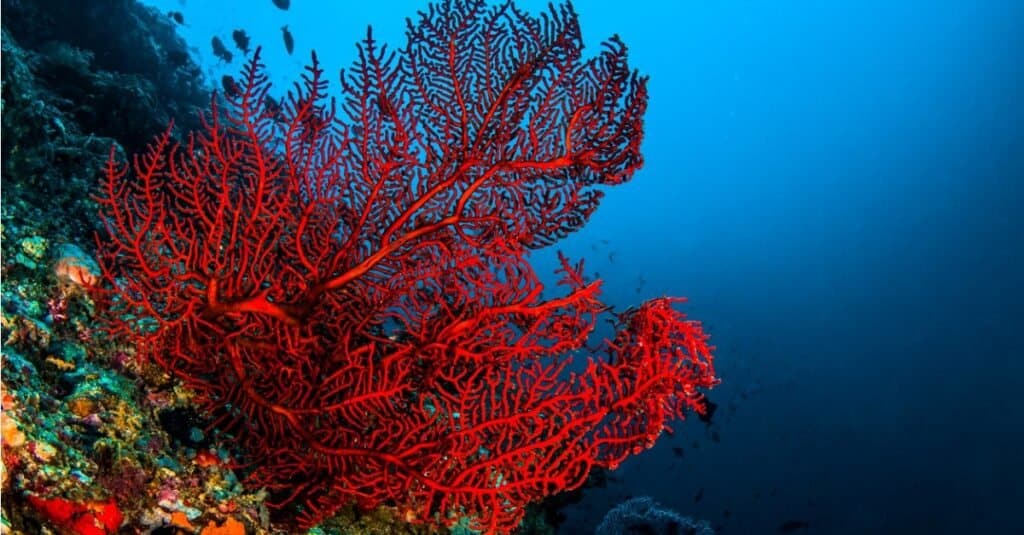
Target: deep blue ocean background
838, 188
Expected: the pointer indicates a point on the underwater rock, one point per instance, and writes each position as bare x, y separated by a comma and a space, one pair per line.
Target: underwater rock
122, 36
34, 247
80, 77
31, 251
25, 331
643, 516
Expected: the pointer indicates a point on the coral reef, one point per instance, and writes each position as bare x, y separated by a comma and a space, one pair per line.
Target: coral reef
86, 446
78, 76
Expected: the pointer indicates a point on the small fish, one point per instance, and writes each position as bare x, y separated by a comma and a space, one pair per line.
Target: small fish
220, 50
709, 411
289, 41
677, 451
611, 257
241, 40
715, 437
272, 107
231, 89
699, 496
283, 4
793, 525
176, 16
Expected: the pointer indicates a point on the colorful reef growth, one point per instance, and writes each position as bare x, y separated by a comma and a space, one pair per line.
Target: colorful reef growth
346, 288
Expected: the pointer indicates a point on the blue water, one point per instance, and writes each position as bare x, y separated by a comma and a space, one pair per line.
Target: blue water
838, 189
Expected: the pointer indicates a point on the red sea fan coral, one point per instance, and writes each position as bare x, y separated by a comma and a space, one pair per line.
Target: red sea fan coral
347, 289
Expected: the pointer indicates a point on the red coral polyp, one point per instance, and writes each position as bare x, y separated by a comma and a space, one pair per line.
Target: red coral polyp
346, 287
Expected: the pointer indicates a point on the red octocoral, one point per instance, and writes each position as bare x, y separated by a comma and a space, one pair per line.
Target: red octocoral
348, 293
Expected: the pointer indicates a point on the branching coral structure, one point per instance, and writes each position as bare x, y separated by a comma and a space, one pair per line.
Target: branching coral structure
345, 284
